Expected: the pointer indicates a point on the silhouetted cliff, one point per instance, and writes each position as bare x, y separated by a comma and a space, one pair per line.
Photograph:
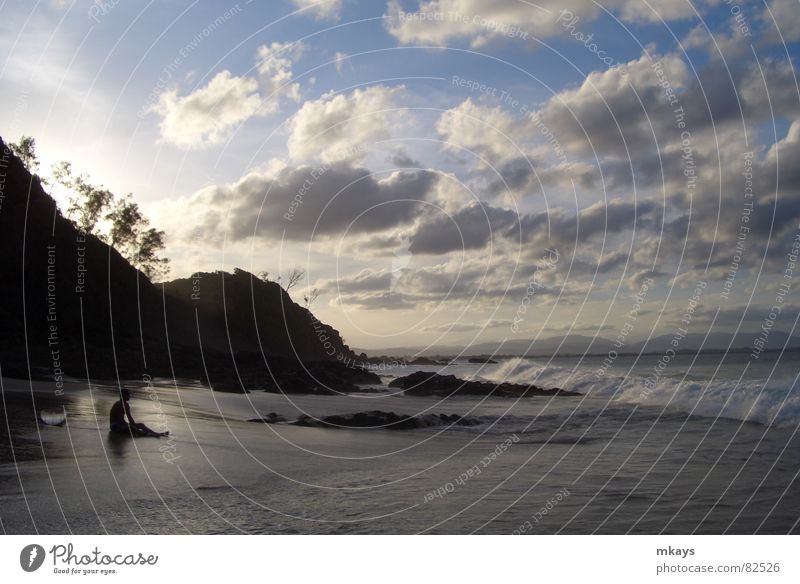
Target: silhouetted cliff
70, 303
242, 312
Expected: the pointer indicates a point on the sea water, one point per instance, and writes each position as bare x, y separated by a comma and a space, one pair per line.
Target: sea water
707, 444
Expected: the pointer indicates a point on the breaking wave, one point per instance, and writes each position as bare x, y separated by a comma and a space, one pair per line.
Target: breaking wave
776, 402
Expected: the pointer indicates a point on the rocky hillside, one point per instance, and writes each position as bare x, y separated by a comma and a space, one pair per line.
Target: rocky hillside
71, 304
242, 312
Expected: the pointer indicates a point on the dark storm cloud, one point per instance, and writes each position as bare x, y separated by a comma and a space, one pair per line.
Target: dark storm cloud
469, 228
514, 175
308, 202
600, 219
474, 282
475, 226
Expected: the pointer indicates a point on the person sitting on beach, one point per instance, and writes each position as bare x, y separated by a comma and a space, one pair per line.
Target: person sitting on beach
117, 422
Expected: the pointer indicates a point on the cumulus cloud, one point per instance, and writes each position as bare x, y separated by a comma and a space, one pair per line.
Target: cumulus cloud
622, 148
306, 202
208, 115
478, 225
623, 117
472, 281
382, 289
769, 87
511, 154
341, 126
488, 131
438, 22
365, 281
610, 112
274, 65
379, 301
616, 130
666, 10
786, 14
472, 227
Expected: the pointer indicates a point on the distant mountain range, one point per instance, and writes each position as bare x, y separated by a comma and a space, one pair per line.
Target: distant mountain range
579, 344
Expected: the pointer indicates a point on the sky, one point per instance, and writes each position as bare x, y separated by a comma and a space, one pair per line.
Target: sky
445, 172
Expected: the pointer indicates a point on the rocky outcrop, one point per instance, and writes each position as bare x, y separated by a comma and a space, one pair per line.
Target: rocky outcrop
271, 418
73, 306
433, 384
423, 361
374, 419
242, 312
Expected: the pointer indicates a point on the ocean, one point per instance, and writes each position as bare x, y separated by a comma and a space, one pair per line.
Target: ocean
696, 444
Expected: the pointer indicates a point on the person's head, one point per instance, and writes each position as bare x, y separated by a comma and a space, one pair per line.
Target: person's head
126, 395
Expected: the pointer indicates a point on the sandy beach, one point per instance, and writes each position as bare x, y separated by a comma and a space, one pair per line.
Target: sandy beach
536, 465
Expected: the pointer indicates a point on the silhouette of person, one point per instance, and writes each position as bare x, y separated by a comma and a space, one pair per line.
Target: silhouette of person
117, 423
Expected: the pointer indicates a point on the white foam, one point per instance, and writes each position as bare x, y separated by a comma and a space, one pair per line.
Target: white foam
753, 400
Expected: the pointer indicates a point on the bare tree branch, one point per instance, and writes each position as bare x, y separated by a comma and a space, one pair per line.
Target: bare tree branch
294, 278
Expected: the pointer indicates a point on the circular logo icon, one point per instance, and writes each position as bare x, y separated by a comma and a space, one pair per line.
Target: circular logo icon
31, 557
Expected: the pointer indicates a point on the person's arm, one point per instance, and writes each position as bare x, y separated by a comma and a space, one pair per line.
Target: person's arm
128, 412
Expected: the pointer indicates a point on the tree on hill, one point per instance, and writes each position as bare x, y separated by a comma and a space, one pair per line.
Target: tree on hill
310, 297
25, 150
132, 236
151, 242
96, 210
294, 278
88, 202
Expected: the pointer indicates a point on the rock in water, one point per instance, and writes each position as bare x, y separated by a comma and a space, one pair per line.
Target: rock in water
374, 419
424, 383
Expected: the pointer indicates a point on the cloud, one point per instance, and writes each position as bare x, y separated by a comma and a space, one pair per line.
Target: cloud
466, 327
729, 45
618, 130
665, 10
304, 202
439, 22
379, 301
507, 158
477, 225
768, 87
489, 131
470, 228
365, 281
340, 126
208, 115
274, 65
410, 287
472, 281
786, 14
341, 60
321, 9
622, 148
610, 113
